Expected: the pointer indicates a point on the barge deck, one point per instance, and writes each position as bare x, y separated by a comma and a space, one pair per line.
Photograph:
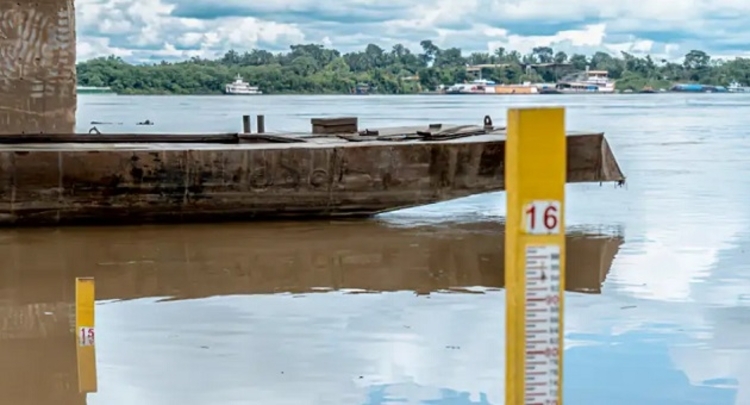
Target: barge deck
140, 178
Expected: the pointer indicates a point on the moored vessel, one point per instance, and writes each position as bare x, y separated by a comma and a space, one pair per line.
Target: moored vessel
586, 82
94, 90
335, 171
481, 86
240, 87
697, 88
736, 87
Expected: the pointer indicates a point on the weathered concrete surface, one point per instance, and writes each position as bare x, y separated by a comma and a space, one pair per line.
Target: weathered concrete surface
37, 66
76, 183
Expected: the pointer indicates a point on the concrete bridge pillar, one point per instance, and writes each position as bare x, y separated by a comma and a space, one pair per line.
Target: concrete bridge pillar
37, 66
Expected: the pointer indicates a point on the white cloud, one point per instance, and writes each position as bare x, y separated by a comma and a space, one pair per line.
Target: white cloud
153, 29
144, 29
591, 36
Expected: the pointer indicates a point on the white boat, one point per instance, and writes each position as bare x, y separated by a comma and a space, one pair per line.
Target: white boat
94, 90
482, 86
735, 87
589, 81
241, 88
479, 86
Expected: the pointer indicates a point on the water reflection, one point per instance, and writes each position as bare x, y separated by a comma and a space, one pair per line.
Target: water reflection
668, 329
645, 369
158, 343
204, 260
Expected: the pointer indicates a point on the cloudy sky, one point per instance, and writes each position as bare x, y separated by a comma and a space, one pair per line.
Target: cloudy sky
142, 30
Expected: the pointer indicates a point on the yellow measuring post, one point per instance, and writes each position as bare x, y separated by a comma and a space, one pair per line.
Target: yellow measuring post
535, 175
85, 336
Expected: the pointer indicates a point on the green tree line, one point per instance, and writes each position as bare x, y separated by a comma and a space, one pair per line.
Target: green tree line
312, 68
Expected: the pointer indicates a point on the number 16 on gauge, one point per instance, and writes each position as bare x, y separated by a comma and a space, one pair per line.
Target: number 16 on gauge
541, 217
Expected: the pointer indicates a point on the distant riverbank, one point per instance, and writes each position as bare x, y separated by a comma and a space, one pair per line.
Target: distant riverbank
426, 93
313, 69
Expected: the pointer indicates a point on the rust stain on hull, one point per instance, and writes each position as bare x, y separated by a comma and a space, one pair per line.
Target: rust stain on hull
75, 183
37, 66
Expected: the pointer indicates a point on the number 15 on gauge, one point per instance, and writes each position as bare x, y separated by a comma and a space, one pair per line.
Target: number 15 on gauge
541, 217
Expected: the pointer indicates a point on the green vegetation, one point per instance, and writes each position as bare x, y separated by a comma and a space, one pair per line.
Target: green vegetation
312, 68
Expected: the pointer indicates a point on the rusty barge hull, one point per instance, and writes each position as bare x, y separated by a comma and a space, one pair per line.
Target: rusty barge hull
245, 177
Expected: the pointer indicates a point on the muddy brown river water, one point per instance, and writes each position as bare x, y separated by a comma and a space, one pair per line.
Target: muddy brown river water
407, 307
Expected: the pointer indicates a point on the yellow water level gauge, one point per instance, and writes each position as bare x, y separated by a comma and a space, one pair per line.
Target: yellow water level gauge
535, 178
